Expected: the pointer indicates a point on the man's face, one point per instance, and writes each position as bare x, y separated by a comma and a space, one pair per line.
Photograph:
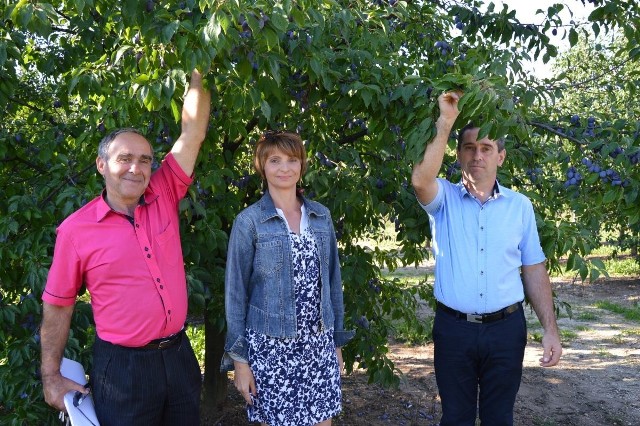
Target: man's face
479, 159
127, 170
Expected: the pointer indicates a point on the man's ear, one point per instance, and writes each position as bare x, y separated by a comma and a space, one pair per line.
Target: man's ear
502, 155
100, 165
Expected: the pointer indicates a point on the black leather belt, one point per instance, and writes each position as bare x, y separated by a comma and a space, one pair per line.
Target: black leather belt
481, 318
164, 342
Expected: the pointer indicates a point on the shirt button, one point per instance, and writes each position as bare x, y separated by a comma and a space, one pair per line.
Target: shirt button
146, 249
149, 256
169, 311
482, 228
161, 287
481, 272
157, 279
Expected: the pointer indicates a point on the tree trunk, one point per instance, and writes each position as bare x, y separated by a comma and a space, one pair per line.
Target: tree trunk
214, 387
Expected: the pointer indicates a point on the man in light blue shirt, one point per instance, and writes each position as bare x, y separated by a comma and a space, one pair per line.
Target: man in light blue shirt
488, 256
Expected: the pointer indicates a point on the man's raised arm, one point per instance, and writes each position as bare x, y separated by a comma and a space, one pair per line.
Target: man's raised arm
425, 172
195, 120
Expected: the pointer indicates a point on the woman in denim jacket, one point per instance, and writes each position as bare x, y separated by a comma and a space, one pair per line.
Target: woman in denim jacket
283, 297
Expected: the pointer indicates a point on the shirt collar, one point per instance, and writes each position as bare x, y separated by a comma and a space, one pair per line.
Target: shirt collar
498, 190
103, 208
268, 209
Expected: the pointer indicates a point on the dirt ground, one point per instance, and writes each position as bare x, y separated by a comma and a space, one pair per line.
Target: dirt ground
597, 382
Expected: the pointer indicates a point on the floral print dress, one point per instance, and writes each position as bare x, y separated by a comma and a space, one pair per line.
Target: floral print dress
297, 379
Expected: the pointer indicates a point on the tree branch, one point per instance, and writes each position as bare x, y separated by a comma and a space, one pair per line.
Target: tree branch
233, 146
610, 71
353, 137
556, 132
63, 184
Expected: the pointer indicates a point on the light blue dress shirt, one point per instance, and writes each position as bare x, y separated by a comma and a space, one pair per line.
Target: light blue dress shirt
480, 247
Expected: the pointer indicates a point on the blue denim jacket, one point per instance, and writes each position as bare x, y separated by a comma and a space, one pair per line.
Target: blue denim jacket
259, 287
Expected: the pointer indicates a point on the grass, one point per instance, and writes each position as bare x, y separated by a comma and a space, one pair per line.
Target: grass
568, 335
603, 353
413, 334
617, 264
626, 267
618, 339
587, 316
409, 277
536, 336
629, 313
615, 421
543, 422
533, 324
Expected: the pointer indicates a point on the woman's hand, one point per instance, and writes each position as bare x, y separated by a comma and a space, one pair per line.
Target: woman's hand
244, 381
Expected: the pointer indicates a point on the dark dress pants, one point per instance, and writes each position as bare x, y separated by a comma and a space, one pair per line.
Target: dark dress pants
146, 386
470, 356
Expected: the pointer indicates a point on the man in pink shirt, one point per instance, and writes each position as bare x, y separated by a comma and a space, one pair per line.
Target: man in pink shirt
124, 246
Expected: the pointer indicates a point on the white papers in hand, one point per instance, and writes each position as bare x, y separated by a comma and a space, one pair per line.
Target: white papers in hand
79, 407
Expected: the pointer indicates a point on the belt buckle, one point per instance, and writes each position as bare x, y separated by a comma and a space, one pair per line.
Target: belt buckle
164, 343
474, 318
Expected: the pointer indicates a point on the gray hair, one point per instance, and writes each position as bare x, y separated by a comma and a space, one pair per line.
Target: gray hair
103, 147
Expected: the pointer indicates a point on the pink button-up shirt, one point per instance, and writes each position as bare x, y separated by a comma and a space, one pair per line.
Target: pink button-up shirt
134, 273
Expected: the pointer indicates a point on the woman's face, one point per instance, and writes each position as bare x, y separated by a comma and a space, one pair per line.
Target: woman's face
282, 171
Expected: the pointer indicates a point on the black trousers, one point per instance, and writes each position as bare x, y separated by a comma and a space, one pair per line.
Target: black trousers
146, 386
470, 357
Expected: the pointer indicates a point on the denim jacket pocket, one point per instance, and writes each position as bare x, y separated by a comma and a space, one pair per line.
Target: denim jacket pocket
269, 257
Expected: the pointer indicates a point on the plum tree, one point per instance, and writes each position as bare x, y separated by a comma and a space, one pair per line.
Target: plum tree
358, 80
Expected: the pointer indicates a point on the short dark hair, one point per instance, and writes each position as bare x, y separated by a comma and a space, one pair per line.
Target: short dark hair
469, 126
288, 142
103, 146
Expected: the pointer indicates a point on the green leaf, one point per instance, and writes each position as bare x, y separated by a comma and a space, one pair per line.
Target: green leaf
280, 21
484, 130
169, 30
315, 66
274, 68
266, 109
244, 69
366, 96
175, 110
121, 51
610, 196
79, 5
573, 37
571, 261
3, 54
212, 30
271, 37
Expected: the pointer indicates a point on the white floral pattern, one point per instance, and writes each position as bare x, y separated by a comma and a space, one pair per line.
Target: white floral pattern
297, 379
